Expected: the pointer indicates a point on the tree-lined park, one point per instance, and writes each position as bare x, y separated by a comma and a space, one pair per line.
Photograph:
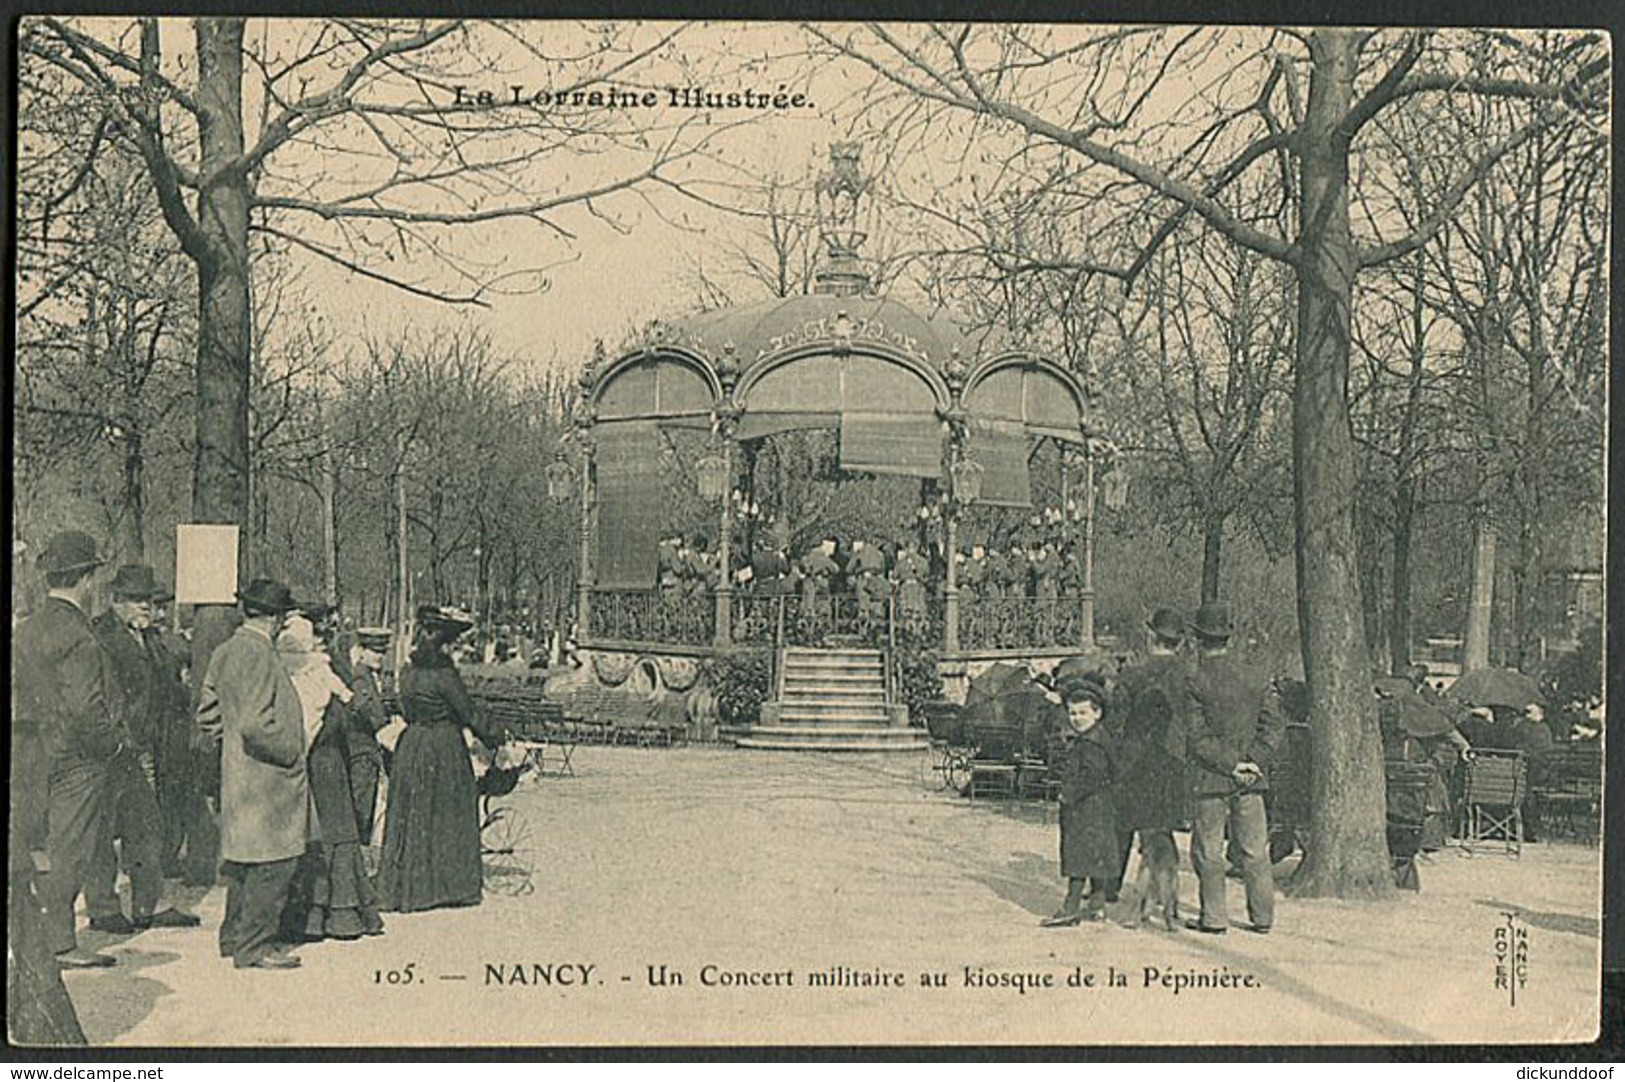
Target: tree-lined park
1339, 297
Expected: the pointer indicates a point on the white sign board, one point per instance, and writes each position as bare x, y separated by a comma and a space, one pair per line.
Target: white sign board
205, 565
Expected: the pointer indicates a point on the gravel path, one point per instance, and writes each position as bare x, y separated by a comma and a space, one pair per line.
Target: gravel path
741, 875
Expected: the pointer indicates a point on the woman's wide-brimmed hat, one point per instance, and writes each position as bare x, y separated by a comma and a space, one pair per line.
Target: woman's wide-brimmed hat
444, 616
266, 597
1167, 623
137, 582
1212, 620
69, 550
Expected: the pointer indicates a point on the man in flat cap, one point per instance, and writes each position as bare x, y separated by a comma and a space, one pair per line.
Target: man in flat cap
248, 709
132, 813
67, 690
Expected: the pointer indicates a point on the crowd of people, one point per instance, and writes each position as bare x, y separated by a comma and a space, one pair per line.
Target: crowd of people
292, 777
1194, 737
1170, 736
273, 782
1010, 597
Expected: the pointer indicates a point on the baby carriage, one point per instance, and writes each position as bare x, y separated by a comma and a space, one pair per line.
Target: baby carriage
507, 844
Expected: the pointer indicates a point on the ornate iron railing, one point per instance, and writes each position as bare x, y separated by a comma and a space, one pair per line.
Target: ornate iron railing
1012, 623
762, 619
654, 616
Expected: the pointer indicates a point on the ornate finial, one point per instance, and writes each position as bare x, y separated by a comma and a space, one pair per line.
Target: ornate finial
842, 331
589, 374
955, 370
728, 366
842, 193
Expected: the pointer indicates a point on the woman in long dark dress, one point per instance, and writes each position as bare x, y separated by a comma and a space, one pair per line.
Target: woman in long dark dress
331, 896
431, 852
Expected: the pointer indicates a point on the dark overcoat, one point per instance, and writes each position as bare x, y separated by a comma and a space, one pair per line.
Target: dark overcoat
1151, 744
136, 679
249, 708
1089, 847
329, 770
1234, 718
66, 689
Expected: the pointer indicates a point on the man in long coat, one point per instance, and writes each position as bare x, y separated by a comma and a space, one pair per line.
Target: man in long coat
1150, 797
250, 711
67, 692
132, 813
1235, 730
38, 1010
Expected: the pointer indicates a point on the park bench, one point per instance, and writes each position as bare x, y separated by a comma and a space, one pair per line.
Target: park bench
535, 721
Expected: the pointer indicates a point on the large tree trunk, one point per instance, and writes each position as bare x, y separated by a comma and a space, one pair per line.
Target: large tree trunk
220, 475
1348, 851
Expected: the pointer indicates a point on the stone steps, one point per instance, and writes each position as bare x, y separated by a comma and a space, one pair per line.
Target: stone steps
804, 710
833, 738
833, 700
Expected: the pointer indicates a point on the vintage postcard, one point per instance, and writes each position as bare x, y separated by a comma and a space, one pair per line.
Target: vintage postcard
708, 534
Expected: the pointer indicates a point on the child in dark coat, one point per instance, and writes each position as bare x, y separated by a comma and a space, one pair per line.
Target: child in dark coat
1089, 849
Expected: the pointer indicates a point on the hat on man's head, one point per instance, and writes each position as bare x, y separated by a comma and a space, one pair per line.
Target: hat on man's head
266, 597
69, 550
137, 582
1167, 623
1212, 620
374, 638
445, 616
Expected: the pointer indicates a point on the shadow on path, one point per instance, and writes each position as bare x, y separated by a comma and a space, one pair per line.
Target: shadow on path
111, 1002
1307, 993
1028, 881
1590, 927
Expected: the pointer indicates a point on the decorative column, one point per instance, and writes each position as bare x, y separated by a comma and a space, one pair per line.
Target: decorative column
585, 414
1086, 591
584, 540
724, 423
950, 579
957, 423
725, 584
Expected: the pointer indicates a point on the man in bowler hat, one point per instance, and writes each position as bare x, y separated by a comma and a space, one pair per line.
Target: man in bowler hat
248, 709
132, 813
67, 690
1235, 729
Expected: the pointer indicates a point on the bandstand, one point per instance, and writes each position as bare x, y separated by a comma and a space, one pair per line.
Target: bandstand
907, 396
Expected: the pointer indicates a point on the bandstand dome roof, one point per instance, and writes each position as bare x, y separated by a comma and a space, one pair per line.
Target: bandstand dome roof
765, 327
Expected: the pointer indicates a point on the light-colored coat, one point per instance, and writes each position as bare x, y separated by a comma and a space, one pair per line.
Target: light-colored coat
250, 709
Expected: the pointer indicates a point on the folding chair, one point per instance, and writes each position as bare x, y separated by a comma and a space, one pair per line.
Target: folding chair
1492, 800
